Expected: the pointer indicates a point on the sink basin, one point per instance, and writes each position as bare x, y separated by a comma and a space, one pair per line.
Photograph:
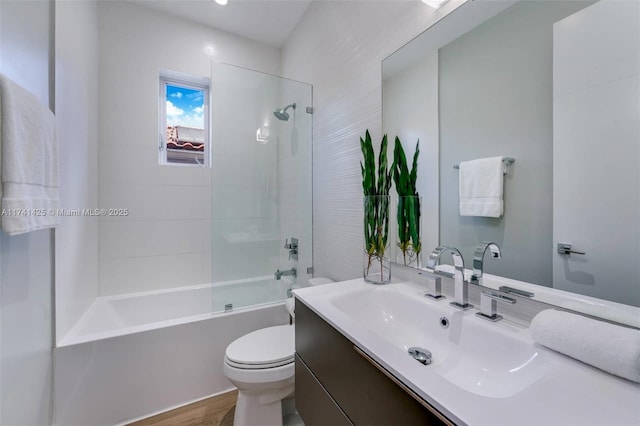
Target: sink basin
481, 373
493, 360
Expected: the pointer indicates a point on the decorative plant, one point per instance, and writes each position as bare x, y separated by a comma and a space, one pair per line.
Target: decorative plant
376, 214
408, 203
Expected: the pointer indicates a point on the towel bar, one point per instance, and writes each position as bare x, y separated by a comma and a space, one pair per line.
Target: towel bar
506, 162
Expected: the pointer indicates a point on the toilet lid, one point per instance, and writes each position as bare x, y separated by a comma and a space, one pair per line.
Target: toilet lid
268, 347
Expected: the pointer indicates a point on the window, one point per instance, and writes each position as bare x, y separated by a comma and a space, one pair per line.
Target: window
184, 119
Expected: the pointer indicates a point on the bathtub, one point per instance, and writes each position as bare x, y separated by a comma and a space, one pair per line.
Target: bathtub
111, 316
132, 356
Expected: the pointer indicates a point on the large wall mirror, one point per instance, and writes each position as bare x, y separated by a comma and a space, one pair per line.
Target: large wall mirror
556, 86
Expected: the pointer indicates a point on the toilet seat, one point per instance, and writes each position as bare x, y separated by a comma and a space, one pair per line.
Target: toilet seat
257, 366
269, 347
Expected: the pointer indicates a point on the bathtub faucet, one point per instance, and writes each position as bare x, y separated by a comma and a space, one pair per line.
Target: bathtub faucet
279, 274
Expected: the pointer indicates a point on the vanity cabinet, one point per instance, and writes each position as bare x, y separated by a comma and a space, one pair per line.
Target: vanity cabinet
338, 384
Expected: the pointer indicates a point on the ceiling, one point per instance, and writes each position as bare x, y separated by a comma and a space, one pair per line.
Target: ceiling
266, 21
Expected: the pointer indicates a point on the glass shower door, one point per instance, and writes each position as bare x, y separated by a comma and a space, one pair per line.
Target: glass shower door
261, 147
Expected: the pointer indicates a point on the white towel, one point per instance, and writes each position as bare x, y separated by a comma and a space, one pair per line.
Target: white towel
480, 187
29, 187
609, 347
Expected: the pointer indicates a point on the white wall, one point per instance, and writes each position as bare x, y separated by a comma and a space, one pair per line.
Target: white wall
339, 47
165, 241
77, 114
26, 261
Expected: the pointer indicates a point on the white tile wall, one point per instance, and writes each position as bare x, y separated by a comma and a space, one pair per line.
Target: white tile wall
155, 202
140, 166
165, 241
127, 274
344, 66
294, 178
153, 238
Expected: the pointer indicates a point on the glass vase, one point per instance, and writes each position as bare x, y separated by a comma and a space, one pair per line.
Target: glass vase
408, 235
376, 255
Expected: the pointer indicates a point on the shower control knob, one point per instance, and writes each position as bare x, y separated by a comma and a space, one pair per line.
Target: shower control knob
293, 245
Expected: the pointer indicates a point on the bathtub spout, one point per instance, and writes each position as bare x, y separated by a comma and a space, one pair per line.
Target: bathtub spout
279, 274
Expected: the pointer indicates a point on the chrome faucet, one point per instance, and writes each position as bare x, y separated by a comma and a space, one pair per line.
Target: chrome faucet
478, 258
460, 287
279, 274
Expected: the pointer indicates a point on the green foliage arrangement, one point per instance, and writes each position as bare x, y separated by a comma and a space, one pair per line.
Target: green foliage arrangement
408, 203
376, 207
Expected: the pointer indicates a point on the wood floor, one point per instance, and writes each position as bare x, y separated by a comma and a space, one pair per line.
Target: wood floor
214, 411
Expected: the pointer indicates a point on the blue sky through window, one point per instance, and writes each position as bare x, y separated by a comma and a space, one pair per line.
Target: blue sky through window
184, 107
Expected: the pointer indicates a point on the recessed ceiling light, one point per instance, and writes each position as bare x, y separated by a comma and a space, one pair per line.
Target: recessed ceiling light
221, 2
436, 4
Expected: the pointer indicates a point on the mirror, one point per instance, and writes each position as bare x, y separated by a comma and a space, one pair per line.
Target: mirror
555, 85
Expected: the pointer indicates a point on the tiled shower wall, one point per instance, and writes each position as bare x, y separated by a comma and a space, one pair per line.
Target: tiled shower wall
344, 66
165, 240
294, 179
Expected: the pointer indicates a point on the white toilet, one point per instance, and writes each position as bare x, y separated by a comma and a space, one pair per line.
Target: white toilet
261, 365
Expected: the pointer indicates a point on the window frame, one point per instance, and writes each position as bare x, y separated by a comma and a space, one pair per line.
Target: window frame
191, 82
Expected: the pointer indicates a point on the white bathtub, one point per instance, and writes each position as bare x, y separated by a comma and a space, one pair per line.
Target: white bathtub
111, 316
136, 355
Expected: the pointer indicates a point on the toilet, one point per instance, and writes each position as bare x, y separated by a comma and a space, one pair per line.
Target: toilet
261, 365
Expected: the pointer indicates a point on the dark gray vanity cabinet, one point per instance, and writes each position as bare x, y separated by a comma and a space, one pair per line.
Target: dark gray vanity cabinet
337, 384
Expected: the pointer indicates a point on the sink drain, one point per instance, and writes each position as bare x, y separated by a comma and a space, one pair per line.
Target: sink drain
444, 322
421, 355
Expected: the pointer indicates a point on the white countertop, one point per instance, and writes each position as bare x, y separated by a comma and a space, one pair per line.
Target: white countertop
572, 393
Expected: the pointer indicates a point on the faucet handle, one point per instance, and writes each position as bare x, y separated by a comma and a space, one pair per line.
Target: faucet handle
489, 305
433, 260
293, 254
434, 285
293, 245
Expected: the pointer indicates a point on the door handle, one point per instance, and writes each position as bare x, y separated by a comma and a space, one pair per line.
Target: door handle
564, 248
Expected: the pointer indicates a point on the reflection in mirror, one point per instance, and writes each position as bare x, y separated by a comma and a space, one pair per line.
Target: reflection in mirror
554, 85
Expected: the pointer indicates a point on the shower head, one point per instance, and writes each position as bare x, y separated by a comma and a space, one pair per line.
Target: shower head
281, 114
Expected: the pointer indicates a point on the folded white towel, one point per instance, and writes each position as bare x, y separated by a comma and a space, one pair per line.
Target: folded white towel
609, 347
29, 187
480, 187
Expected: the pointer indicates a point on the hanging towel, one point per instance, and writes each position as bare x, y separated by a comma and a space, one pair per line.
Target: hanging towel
480, 187
29, 150
609, 347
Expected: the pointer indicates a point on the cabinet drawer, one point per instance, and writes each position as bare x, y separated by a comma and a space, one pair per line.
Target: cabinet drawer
313, 403
365, 394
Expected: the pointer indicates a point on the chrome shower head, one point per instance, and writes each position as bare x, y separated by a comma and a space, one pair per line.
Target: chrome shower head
281, 114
